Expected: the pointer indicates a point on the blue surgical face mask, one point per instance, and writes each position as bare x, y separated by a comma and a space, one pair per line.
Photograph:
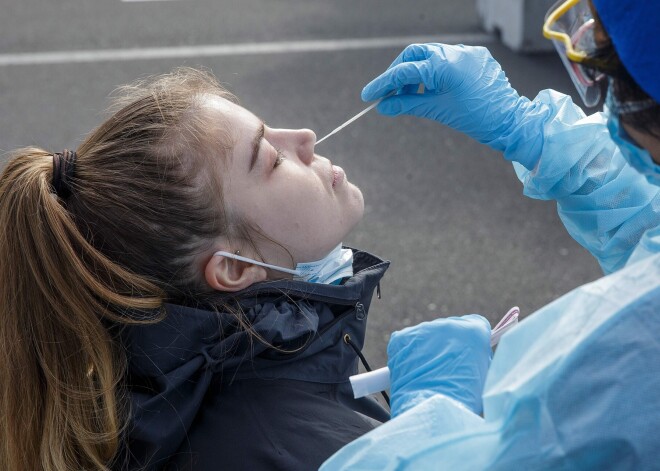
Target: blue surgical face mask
638, 158
330, 269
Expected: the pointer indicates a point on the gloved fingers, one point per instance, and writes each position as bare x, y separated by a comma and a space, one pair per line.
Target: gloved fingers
482, 331
423, 105
413, 53
443, 333
479, 322
379, 87
419, 53
409, 89
474, 329
399, 76
447, 356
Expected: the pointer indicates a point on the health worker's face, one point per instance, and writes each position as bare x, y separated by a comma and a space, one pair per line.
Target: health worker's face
274, 179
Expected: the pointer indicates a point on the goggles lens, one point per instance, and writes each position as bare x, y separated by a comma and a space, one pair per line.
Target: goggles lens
570, 25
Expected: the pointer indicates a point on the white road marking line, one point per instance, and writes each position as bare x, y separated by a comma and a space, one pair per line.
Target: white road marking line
240, 49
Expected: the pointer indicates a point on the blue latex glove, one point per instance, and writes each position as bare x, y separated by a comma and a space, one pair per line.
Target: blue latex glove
446, 356
466, 89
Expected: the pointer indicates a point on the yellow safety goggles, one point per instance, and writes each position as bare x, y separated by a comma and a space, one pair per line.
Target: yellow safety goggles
570, 25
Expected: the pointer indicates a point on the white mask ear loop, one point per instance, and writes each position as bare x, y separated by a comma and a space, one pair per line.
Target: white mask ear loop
255, 262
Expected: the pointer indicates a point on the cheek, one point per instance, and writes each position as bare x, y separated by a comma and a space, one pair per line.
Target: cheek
308, 225
293, 213
299, 213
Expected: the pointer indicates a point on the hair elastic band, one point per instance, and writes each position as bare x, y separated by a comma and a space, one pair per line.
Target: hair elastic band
64, 166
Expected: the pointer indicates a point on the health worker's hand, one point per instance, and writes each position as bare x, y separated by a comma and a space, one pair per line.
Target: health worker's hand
446, 356
464, 88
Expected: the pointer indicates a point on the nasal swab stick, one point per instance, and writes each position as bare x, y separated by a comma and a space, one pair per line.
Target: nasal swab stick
379, 380
357, 116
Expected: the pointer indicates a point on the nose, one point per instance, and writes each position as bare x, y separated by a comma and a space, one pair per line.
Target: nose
306, 140
298, 142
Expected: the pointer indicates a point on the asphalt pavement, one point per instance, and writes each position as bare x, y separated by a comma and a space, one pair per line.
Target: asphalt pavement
447, 211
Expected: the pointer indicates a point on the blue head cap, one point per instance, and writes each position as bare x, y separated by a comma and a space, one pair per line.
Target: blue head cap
634, 27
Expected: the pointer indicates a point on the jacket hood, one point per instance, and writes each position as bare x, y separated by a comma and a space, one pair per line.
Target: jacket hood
284, 317
295, 331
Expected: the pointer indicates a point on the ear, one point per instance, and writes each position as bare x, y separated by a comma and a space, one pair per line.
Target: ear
227, 274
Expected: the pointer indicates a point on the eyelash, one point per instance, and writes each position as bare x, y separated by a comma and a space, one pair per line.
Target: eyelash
279, 159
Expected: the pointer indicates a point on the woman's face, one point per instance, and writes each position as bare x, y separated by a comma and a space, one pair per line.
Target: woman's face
274, 179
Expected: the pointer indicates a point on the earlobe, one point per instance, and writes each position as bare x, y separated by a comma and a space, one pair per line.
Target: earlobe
226, 274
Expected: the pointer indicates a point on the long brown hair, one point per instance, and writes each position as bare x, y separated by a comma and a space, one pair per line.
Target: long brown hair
141, 210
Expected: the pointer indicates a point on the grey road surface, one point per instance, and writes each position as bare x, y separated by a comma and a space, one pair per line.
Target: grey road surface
445, 210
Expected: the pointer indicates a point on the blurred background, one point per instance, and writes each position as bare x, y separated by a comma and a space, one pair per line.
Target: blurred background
447, 211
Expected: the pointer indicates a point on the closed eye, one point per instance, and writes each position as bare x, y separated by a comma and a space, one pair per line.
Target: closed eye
279, 159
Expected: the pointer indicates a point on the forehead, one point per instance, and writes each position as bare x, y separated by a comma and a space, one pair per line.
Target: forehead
234, 128
231, 120
225, 110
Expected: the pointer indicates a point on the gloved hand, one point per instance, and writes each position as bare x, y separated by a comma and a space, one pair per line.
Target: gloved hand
446, 356
466, 89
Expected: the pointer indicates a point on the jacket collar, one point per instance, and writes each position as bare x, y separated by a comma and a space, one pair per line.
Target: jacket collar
285, 314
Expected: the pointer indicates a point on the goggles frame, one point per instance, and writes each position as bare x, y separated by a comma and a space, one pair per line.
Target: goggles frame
601, 59
569, 23
565, 39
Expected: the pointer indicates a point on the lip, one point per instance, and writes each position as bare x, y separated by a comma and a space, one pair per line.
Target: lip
338, 175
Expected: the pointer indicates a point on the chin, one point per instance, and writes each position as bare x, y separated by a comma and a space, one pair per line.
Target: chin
356, 207
355, 195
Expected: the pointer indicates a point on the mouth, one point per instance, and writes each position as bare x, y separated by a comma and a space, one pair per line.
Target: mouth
335, 173
338, 175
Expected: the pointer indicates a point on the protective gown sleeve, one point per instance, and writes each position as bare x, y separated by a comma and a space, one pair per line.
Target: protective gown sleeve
605, 204
575, 386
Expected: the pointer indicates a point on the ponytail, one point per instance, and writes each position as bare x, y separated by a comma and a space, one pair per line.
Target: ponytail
59, 368
125, 235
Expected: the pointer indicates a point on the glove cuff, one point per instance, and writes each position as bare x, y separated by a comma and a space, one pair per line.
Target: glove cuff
400, 403
523, 139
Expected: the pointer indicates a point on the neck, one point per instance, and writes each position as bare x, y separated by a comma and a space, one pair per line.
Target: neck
645, 141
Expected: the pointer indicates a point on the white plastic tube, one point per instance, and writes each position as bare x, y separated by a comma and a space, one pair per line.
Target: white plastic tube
379, 380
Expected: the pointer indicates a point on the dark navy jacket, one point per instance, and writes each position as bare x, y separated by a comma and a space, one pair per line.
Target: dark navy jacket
206, 395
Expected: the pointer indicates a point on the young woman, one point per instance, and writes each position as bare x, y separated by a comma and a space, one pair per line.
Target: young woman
141, 328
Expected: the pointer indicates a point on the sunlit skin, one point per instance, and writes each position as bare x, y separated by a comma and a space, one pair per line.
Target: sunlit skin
645, 141
296, 197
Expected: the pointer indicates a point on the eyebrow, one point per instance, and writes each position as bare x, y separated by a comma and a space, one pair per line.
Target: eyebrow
256, 144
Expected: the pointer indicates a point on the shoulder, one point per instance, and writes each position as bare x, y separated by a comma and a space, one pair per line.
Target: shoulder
269, 424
